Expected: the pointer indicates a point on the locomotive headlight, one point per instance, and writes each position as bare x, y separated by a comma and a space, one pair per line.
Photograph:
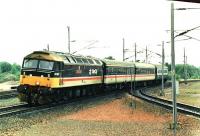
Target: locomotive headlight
37, 83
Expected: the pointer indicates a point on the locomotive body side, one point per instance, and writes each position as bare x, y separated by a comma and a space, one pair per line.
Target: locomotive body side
82, 72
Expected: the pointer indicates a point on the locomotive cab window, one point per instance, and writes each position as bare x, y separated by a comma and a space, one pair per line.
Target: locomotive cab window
40, 64
30, 63
43, 64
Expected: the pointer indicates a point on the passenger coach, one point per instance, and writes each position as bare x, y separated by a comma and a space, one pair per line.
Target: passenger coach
145, 73
118, 73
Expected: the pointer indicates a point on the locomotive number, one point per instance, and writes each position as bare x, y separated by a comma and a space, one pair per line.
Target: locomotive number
93, 72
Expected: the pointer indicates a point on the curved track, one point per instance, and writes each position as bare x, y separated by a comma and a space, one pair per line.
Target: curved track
182, 108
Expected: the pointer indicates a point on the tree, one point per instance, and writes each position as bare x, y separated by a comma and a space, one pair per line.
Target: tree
15, 68
192, 71
5, 67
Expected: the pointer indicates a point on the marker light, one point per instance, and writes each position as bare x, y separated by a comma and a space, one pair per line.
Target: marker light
37, 83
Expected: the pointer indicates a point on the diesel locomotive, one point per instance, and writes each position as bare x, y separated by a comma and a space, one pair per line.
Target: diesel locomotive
48, 76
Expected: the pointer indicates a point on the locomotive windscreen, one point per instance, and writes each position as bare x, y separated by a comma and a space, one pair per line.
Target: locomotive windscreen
40, 64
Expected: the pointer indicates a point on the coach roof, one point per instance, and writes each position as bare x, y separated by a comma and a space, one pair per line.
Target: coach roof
118, 63
144, 65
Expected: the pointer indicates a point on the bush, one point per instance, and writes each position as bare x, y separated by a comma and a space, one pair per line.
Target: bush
9, 72
6, 76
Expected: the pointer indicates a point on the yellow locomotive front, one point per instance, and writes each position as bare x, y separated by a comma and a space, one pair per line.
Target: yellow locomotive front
41, 72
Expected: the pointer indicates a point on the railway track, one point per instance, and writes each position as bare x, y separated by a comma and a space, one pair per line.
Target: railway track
141, 93
14, 109
8, 94
182, 108
25, 108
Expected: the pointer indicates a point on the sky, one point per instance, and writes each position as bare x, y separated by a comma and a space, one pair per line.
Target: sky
29, 25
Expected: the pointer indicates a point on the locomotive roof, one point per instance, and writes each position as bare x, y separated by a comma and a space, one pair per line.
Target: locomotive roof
64, 57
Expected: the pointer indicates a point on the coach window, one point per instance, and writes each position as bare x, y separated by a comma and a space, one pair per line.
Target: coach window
115, 70
145, 71
128, 71
107, 71
125, 71
111, 71
122, 70
139, 71
118, 70
153, 71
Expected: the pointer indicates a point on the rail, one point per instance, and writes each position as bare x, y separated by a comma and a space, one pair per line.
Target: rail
8, 94
182, 108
